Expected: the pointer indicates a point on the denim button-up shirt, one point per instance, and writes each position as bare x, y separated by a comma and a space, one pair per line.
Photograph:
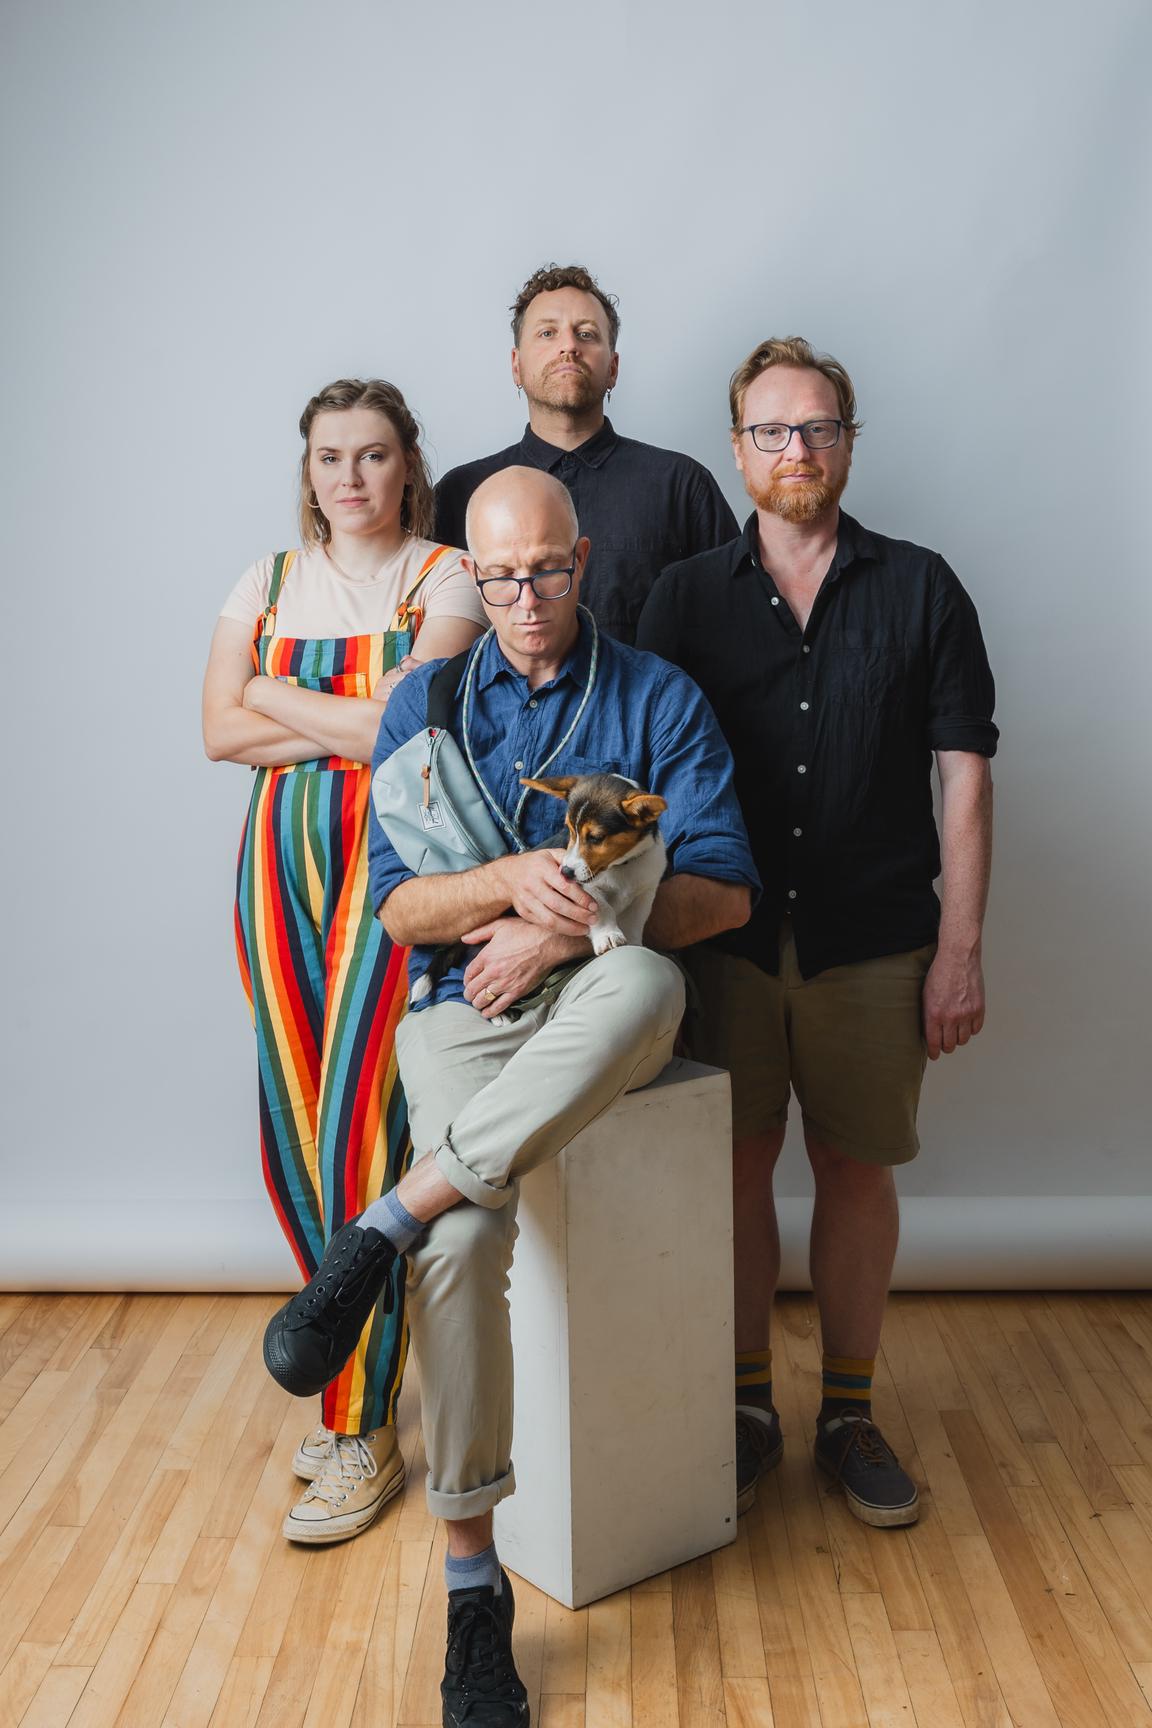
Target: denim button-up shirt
644, 718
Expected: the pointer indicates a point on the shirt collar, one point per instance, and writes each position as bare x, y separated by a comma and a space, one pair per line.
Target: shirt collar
853, 542
576, 667
594, 451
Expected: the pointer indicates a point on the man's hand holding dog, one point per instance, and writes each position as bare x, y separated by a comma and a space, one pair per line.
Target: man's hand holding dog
432, 909
516, 957
540, 894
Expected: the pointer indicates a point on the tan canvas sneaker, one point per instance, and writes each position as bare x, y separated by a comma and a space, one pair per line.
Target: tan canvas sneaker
313, 1453
362, 1473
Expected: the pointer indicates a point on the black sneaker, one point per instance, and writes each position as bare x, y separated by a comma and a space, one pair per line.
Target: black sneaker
308, 1341
759, 1448
852, 1449
481, 1688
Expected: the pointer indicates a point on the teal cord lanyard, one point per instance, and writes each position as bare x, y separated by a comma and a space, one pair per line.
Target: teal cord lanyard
511, 825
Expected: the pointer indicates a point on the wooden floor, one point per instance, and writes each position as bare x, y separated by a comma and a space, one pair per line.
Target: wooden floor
143, 1579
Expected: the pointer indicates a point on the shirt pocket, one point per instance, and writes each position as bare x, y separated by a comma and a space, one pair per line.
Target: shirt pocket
328, 684
345, 684
567, 763
866, 671
543, 817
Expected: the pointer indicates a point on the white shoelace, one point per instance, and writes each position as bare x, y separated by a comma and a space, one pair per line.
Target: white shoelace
349, 1464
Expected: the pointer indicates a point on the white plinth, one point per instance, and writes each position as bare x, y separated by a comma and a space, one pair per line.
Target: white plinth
621, 1300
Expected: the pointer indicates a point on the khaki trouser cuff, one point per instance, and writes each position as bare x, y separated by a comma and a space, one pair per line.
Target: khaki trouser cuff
475, 1502
466, 1182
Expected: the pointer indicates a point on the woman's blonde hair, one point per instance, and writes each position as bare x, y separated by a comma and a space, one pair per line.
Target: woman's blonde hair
418, 507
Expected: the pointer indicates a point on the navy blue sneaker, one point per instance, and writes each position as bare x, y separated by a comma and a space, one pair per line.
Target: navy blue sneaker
852, 1449
481, 1688
759, 1448
308, 1341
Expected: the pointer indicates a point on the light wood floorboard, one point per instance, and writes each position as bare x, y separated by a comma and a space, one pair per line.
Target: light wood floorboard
144, 1582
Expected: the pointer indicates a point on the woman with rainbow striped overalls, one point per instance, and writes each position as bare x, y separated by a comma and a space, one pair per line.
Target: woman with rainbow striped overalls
308, 648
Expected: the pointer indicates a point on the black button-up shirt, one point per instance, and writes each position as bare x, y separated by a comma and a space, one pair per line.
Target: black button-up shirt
642, 509
832, 728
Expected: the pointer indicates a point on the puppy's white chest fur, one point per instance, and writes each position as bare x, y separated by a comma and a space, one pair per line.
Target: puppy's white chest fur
624, 893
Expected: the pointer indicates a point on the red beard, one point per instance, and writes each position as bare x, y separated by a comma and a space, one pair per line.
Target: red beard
795, 501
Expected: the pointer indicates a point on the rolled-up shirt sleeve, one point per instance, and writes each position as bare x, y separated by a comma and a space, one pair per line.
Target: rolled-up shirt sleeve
691, 768
961, 691
404, 716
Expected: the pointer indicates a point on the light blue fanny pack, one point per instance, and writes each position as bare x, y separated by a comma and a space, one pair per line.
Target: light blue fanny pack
425, 795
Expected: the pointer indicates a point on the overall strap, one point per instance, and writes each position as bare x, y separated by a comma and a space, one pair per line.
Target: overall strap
407, 615
281, 565
280, 568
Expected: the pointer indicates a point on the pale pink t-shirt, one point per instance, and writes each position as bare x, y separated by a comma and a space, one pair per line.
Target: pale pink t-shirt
316, 600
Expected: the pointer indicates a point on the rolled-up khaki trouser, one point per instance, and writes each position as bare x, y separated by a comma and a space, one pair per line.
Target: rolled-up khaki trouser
492, 1102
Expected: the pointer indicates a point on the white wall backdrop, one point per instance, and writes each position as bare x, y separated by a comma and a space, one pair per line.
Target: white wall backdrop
209, 211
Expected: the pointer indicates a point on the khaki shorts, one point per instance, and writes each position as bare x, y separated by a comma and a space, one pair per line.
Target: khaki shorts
850, 1041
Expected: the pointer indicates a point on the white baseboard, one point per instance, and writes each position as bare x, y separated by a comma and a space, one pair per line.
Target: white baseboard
980, 1243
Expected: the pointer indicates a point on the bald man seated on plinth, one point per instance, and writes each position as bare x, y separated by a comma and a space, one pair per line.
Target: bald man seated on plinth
492, 1096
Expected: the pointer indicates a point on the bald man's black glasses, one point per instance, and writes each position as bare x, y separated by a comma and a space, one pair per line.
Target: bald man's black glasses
545, 584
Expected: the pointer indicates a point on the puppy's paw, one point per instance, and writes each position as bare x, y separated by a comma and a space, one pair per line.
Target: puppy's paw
603, 940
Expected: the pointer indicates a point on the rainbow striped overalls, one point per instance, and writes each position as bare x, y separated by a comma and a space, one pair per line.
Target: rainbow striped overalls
327, 990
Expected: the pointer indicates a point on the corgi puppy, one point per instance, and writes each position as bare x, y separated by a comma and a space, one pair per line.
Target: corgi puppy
614, 851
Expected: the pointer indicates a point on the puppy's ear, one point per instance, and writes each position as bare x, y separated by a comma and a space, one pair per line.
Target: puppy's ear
643, 807
556, 788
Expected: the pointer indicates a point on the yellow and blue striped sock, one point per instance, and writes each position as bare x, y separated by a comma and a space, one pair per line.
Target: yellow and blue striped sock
847, 1385
754, 1380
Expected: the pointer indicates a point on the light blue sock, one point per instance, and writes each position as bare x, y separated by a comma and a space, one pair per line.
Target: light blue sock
474, 1572
392, 1220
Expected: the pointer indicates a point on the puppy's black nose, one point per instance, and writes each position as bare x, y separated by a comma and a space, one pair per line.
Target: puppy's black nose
568, 871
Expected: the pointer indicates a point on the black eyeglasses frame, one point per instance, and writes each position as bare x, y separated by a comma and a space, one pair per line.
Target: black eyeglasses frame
522, 582
804, 424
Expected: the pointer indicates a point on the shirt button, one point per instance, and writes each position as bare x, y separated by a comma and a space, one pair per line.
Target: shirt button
800, 770
807, 650
775, 601
518, 766
797, 832
803, 707
535, 704
791, 893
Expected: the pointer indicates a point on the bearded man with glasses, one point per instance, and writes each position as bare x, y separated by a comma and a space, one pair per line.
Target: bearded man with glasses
838, 662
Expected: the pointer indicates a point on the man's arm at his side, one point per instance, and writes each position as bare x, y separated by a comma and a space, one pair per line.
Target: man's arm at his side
954, 987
